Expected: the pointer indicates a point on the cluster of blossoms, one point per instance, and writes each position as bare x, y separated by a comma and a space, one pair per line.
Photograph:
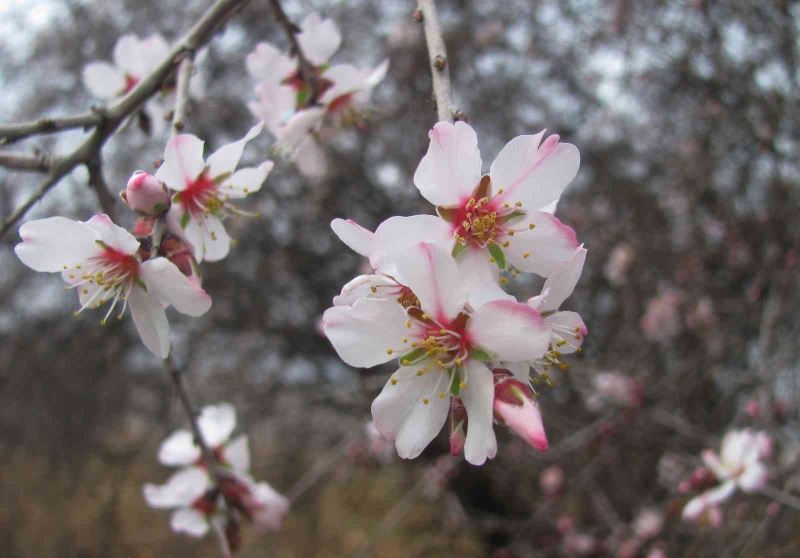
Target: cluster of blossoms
217, 499
740, 464
466, 349
180, 212
297, 102
134, 58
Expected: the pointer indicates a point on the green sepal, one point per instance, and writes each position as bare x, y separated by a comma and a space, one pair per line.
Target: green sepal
141, 284
101, 244
185, 219
497, 254
458, 248
447, 213
480, 355
455, 382
413, 357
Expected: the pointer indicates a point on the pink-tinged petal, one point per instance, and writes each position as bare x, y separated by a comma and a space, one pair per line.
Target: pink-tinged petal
267, 506
178, 450
355, 237
237, 453
524, 419
113, 235
103, 80
246, 181
225, 159
183, 161
754, 477
275, 105
52, 243
712, 461
368, 333
481, 276
737, 446
567, 331
433, 276
520, 370
216, 241
477, 395
127, 54
363, 286
319, 38
166, 282
411, 409
153, 50
346, 78
298, 127
150, 321
310, 158
191, 234
561, 283
534, 174
509, 330
398, 234
181, 489
267, 63
189, 521
708, 499
542, 249
451, 169
216, 423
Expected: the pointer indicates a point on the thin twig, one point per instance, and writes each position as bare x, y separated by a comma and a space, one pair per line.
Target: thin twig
25, 162
306, 69
98, 183
113, 116
319, 469
784, 498
440, 64
15, 131
182, 93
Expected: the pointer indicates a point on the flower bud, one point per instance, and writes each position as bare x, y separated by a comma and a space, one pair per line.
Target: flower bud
458, 419
146, 195
514, 406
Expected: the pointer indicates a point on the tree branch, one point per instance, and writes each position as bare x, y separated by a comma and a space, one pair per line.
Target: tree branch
115, 114
182, 93
98, 183
24, 162
437, 55
9, 133
305, 68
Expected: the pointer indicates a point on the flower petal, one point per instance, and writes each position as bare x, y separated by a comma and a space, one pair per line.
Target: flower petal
451, 169
275, 104
237, 453
482, 277
267, 63
181, 489
103, 80
225, 159
541, 249
178, 450
409, 410
753, 478
708, 499
246, 181
183, 161
524, 419
166, 282
510, 330
113, 235
216, 422
534, 174
561, 283
433, 275
189, 521
367, 333
363, 286
216, 241
269, 507
567, 331
478, 395
398, 234
150, 321
52, 243
319, 38
298, 127
355, 237
310, 158
127, 53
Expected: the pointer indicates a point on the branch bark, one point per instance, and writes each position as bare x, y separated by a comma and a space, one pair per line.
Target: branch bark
437, 56
305, 68
25, 162
116, 113
98, 183
15, 131
182, 93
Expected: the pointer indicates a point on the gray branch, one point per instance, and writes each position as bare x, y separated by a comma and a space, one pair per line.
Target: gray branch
440, 65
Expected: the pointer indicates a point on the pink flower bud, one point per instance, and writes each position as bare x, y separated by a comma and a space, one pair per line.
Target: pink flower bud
514, 406
551, 480
458, 419
146, 195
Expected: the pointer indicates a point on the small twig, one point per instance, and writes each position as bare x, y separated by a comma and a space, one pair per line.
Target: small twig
15, 131
98, 183
319, 469
182, 93
784, 498
115, 114
305, 68
440, 64
25, 162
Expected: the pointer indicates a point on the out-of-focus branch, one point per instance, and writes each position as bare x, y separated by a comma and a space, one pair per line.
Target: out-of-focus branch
24, 162
437, 55
304, 67
182, 93
115, 114
15, 131
321, 467
98, 183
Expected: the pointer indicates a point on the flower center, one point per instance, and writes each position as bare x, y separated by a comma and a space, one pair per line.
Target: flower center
200, 196
476, 222
130, 83
443, 345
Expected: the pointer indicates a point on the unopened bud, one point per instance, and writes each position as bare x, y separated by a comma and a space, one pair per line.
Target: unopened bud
458, 420
515, 406
146, 195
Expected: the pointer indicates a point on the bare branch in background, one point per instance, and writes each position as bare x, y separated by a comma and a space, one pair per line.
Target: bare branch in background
9, 133
182, 93
37, 162
440, 66
114, 115
98, 183
304, 67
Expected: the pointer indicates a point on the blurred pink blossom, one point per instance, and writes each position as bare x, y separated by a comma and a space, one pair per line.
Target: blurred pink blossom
662, 320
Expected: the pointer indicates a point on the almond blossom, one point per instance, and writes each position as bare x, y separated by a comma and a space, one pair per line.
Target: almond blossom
203, 189
106, 264
133, 59
515, 406
441, 344
502, 220
739, 465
